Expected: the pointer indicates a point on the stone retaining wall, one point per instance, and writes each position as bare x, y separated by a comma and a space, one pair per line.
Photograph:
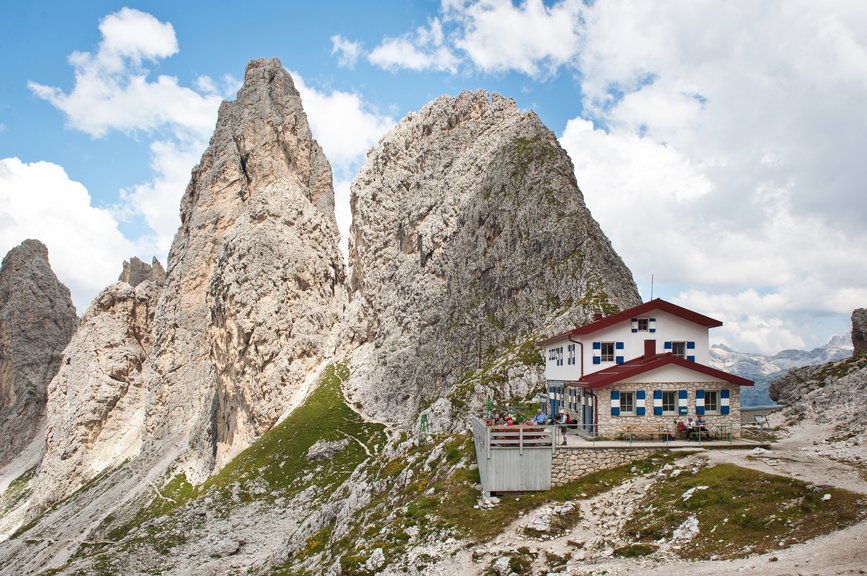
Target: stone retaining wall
569, 464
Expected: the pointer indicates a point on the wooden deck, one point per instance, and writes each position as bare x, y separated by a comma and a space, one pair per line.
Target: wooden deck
514, 458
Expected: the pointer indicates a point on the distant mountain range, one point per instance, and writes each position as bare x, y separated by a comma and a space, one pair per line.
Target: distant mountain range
764, 369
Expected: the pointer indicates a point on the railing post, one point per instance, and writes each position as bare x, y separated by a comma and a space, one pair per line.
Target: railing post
521, 441
487, 442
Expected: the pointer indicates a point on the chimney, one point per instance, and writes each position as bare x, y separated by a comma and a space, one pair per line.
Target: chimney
649, 349
597, 316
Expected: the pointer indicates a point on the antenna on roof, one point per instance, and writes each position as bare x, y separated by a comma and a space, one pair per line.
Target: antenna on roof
651, 286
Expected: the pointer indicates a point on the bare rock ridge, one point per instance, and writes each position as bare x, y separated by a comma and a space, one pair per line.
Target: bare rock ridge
255, 280
468, 227
808, 384
859, 330
37, 320
96, 402
135, 272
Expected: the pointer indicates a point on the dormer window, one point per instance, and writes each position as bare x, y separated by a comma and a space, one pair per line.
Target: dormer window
646, 324
607, 352
678, 349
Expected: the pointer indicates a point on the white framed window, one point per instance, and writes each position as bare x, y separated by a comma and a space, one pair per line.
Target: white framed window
643, 324
711, 401
571, 358
607, 352
678, 349
669, 402
627, 403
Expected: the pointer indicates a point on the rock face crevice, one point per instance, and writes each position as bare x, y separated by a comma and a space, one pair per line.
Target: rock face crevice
37, 320
469, 235
255, 282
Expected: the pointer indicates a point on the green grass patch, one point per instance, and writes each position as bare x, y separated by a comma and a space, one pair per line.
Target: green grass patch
635, 550
18, 490
741, 512
277, 465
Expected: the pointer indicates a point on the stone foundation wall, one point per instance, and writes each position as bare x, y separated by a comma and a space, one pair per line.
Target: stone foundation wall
572, 463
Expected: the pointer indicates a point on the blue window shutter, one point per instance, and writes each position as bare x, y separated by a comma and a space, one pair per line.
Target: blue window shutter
657, 402
690, 345
635, 324
667, 346
699, 402
725, 402
597, 352
691, 358
682, 402
618, 345
597, 360
597, 345
652, 325
615, 403
618, 359
639, 402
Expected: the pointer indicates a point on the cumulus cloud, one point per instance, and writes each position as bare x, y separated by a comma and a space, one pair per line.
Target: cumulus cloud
86, 249
113, 91
532, 38
718, 147
347, 51
424, 49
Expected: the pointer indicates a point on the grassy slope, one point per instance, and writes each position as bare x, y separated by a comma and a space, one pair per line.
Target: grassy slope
740, 512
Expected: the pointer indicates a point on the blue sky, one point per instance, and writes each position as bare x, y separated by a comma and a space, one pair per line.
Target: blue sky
719, 144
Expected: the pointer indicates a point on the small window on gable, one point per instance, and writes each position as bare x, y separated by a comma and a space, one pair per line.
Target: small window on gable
669, 402
711, 401
627, 402
643, 324
607, 352
571, 359
678, 349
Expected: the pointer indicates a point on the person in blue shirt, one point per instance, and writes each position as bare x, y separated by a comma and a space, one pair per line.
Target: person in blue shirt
540, 417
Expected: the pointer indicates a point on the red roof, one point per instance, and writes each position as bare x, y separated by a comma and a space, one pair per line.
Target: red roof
640, 310
641, 365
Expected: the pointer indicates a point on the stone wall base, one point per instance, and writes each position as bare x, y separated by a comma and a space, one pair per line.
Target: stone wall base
573, 463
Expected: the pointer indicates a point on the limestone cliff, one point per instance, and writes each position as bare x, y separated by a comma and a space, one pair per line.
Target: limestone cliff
96, 403
255, 280
37, 320
469, 237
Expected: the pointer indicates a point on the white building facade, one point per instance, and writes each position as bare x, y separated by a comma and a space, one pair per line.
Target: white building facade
646, 366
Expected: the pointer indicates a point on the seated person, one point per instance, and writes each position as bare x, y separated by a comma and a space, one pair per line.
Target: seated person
680, 427
540, 417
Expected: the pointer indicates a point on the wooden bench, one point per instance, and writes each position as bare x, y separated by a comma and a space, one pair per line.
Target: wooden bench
656, 432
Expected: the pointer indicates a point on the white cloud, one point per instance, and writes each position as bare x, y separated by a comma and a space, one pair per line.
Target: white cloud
728, 159
347, 51
423, 50
112, 92
86, 249
531, 37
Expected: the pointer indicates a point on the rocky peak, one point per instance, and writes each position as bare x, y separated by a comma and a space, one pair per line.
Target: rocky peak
135, 272
255, 280
37, 320
859, 330
470, 238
